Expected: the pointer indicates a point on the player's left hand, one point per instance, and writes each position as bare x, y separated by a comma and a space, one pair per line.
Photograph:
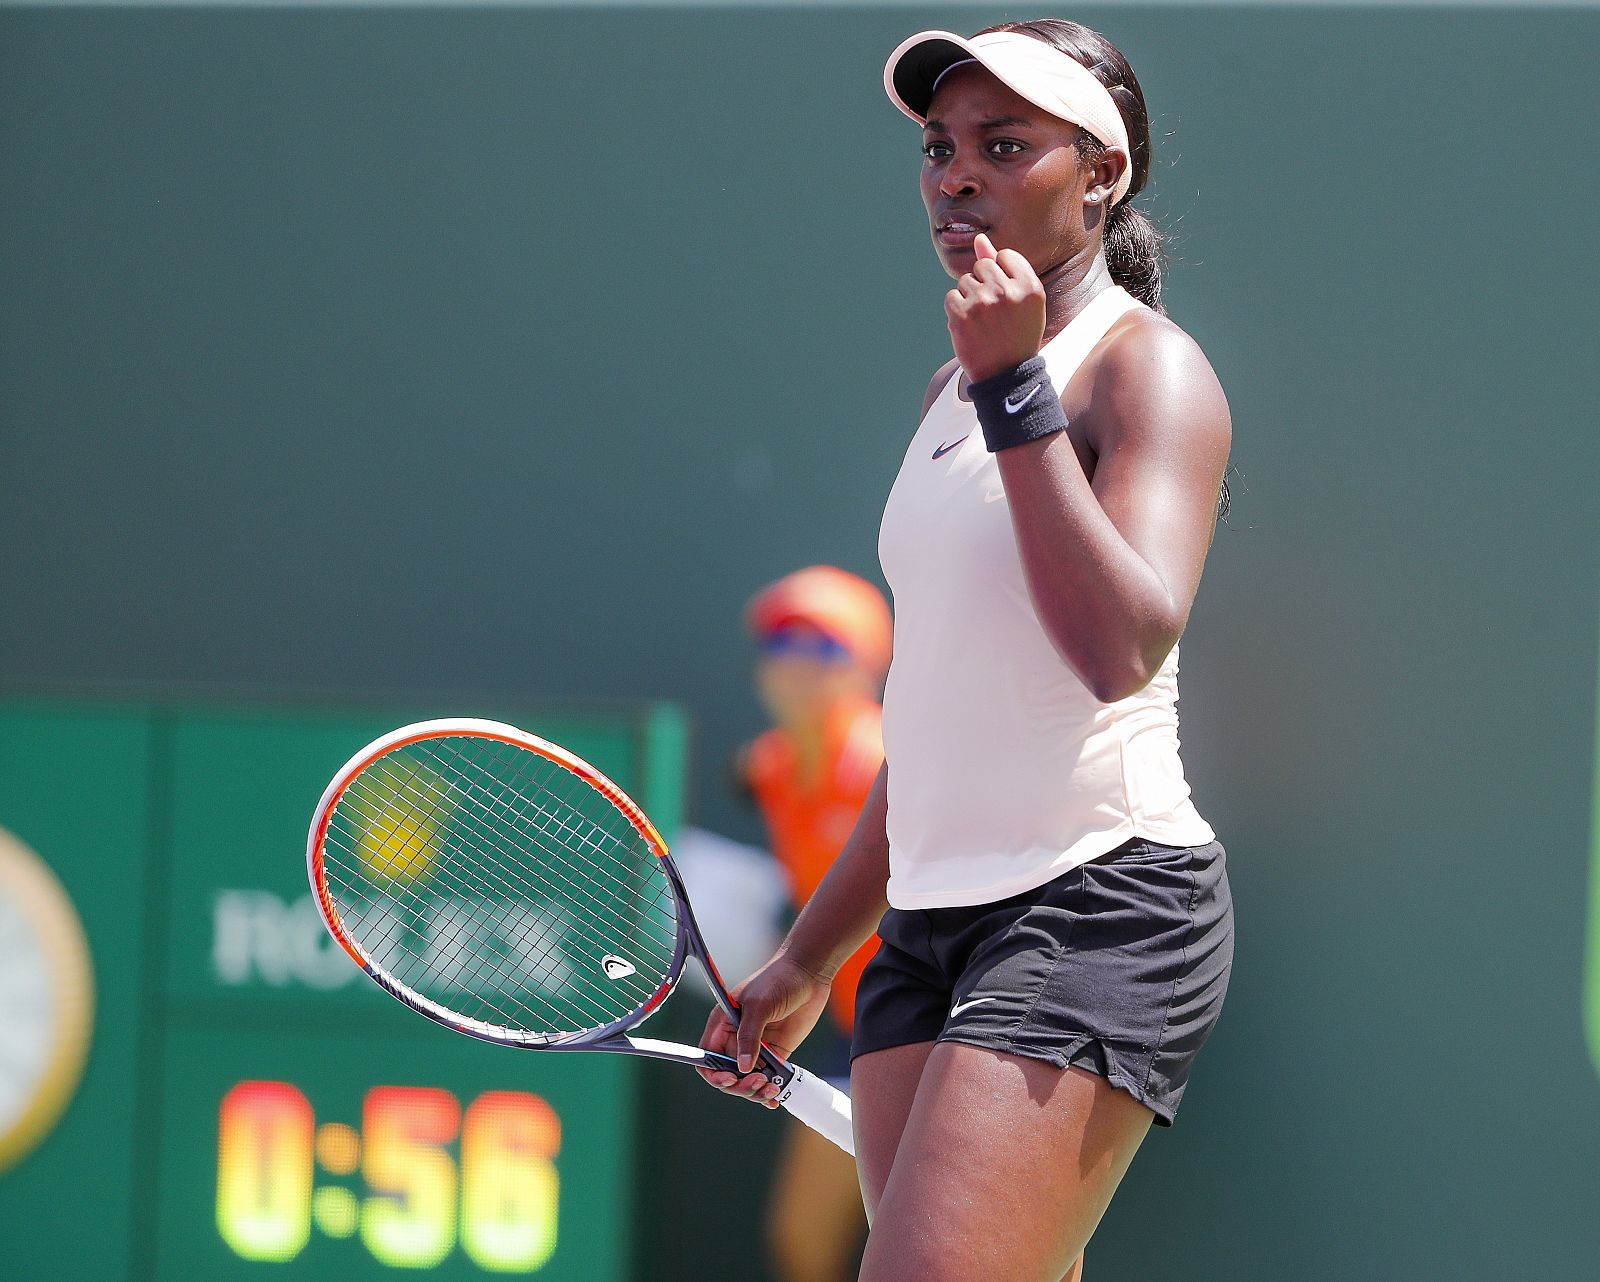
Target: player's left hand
996, 311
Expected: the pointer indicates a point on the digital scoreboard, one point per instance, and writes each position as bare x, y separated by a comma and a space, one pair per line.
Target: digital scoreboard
252, 1106
502, 1201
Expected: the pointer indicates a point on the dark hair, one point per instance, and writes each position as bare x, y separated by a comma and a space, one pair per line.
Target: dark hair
1132, 242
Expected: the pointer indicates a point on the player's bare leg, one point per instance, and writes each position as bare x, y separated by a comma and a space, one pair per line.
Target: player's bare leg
883, 1087
981, 1131
815, 1221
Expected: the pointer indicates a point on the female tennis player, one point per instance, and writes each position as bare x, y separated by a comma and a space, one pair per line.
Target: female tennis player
1054, 913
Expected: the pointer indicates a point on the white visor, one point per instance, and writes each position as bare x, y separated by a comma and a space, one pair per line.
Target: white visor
1041, 73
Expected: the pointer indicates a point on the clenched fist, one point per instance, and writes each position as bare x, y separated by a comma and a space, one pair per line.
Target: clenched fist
996, 312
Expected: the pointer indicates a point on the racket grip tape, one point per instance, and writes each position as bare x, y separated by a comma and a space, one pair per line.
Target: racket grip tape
821, 1107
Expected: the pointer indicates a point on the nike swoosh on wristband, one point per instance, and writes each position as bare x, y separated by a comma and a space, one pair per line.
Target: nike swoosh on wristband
961, 1006
1015, 406
945, 449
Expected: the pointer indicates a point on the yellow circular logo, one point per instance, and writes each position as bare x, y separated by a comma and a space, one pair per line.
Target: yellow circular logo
399, 844
46, 999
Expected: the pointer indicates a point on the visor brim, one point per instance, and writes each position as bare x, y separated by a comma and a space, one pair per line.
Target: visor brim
916, 66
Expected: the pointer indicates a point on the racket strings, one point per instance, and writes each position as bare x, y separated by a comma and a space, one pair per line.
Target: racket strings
582, 870
384, 926
600, 842
446, 874
501, 886
467, 926
596, 840
522, 829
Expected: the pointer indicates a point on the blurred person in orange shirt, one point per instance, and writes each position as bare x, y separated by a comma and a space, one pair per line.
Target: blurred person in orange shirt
825, 638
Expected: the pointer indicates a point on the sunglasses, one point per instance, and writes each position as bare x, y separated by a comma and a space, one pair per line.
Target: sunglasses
806, 644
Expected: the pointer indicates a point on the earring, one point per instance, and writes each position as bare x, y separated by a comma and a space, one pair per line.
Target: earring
1093, 197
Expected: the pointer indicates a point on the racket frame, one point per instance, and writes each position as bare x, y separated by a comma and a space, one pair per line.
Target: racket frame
608, 1037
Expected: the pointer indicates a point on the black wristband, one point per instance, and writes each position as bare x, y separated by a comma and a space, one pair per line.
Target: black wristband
1018, 405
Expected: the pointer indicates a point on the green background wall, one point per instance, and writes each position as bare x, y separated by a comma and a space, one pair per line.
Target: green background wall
504, 352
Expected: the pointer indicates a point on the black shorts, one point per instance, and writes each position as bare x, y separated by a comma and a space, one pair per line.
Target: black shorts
1118, 966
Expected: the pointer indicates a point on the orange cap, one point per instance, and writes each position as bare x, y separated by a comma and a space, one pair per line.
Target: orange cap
842, 605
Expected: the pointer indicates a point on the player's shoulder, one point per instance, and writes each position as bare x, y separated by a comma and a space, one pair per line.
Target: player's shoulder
1144, 344
1148, 370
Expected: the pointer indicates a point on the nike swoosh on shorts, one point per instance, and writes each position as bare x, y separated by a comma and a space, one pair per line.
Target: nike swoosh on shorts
961, 1006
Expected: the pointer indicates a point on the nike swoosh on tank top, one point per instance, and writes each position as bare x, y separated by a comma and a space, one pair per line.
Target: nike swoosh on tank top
1004, 769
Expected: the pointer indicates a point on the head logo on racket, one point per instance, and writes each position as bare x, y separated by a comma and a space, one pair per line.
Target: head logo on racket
616, 967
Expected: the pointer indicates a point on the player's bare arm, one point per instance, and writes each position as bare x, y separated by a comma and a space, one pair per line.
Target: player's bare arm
782, 1001
1113, 564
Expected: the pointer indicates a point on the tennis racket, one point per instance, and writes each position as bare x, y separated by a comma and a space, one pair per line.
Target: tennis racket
505, 888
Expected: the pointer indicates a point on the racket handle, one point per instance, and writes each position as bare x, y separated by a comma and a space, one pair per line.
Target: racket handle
821, 1107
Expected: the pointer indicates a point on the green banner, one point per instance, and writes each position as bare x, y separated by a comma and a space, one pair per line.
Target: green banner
252, 1106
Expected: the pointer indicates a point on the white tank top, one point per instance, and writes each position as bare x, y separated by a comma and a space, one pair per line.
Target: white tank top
1004, 769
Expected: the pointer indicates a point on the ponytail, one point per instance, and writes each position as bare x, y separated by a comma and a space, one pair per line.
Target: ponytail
1133, 246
